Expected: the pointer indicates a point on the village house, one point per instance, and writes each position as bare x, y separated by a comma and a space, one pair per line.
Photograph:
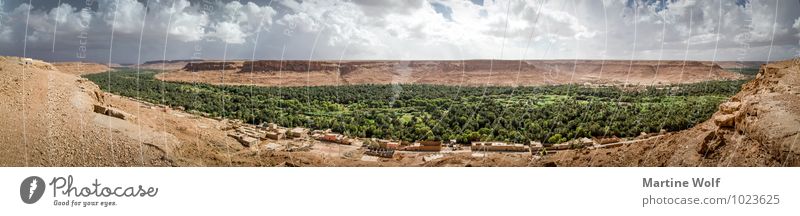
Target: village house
425, 146
560, 146
333, 137
380, 152
498, 146
276, 134
298, 132
251, 131
395, 145
244, 139
273, 131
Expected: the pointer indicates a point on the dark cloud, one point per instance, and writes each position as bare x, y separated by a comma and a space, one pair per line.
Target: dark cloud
417, 29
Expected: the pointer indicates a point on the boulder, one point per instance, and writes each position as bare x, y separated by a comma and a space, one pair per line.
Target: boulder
729, 107
113, 112
707, 140
725, 120
118, 114
100, 109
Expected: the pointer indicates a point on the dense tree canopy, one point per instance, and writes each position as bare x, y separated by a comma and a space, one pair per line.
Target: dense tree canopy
436, 112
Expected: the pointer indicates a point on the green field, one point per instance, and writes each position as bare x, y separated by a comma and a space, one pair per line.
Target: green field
435, 112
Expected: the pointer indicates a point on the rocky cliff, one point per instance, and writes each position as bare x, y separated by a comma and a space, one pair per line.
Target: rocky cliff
759, 126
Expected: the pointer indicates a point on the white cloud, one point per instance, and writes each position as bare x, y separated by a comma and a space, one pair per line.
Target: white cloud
228, 32
239, 21
125, 15
343, 24
361, 29
378, 8
185, 23
5, 30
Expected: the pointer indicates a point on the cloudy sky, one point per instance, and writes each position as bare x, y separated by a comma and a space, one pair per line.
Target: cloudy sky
130, 31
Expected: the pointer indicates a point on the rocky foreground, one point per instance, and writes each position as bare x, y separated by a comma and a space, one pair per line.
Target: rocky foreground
53, 118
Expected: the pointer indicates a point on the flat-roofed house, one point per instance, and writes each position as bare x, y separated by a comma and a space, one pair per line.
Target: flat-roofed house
298, 132
425, 146
498, 146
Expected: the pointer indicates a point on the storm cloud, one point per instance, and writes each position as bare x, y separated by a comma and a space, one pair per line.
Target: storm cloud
131, 31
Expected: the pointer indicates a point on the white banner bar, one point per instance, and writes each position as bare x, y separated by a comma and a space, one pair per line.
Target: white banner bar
401, 191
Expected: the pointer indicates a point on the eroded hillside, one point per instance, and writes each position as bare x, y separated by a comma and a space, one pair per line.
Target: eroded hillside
468, 72
759, 126
52, 118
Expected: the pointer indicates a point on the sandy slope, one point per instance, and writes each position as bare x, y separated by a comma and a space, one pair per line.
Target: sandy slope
47, 118
80, 68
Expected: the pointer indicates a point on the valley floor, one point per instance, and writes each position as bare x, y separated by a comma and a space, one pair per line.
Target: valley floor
52, 118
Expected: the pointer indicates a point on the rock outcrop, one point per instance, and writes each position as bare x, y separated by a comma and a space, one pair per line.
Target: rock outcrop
47, 118
759, 126
113, 112
211, 66
765, 113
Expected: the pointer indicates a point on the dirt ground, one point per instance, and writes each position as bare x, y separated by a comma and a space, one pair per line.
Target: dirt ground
469, 73
48, 118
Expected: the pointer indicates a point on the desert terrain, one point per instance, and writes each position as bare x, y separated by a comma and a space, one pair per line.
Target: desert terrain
756, 127
740, 64
50, 118
55, 118
164, 65
80, 68
467, 72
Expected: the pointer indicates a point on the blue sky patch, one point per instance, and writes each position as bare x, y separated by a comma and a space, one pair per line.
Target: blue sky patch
444, 10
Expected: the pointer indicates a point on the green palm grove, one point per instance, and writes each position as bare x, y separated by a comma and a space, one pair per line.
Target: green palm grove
412, 112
